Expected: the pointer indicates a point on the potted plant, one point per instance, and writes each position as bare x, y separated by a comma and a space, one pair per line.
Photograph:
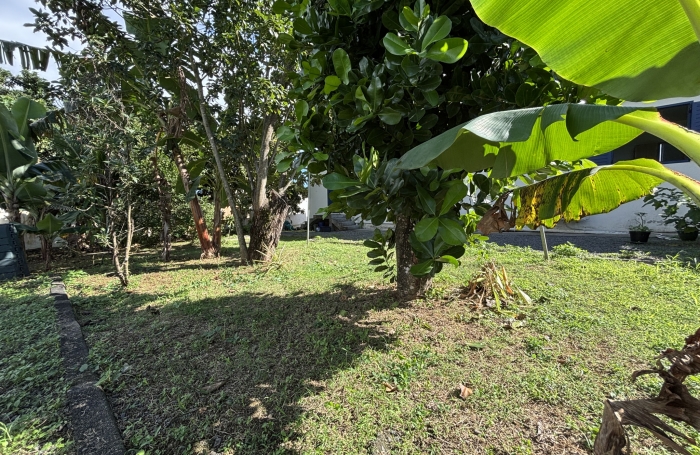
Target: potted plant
639, 233
677, 209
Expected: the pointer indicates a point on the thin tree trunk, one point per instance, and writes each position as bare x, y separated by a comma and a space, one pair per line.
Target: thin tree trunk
238, 220
46, 246
216, 237
215, 150
266, 228
129, 238
122, 268
199, 223
165, 205
409, 286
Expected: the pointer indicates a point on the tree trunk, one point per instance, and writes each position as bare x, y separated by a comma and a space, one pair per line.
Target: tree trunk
215, 150
216, 238
266, 229
409, 286
122, 268
238, 220
260, 199
13, 213
46, 247
165, 204
199, 222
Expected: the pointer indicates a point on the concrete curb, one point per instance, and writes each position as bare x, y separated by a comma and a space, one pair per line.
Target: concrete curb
94, 427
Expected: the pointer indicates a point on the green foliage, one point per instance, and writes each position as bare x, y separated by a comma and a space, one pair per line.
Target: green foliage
677, 208
641, 225
568, 250
627, 71
378, 102
380, 253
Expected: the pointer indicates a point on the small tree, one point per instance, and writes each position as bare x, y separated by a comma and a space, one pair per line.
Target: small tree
362, 105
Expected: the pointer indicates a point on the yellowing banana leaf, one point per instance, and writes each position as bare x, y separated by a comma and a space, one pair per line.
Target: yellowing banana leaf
635, 50
584, 192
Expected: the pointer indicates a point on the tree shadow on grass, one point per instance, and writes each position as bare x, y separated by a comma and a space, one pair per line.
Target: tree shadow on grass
183, 257
226, 373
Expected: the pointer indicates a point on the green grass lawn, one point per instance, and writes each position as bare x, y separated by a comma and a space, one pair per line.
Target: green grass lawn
204, 357
32, 389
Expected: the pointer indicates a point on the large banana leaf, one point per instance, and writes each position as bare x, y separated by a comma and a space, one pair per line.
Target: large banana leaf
49, 225
16, 146
633, 49
24, 110
583, 192
521, 141
12, 154
30, 191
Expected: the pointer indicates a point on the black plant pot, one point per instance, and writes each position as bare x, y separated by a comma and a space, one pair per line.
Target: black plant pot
639, 236
688, 236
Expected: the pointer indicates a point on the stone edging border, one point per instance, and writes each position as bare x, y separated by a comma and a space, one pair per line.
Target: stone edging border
94, 428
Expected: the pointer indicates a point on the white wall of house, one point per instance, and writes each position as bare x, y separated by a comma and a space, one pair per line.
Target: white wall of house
298, 218
318, 199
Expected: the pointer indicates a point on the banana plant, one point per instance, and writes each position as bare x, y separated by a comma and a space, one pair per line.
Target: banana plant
511, 142
18, 184
49, 227
518, 142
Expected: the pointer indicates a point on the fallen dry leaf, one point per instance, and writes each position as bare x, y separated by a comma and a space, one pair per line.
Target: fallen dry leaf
464, 391
212, 387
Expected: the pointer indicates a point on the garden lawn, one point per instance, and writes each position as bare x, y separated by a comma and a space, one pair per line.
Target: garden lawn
32, 390
315, 354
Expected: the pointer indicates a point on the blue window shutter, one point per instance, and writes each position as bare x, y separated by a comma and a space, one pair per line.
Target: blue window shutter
695, 117
602, 160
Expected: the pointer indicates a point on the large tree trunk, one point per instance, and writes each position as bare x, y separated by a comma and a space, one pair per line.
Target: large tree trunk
199, 222
408, 285
266, 229
165, 204
216, 238
269, 210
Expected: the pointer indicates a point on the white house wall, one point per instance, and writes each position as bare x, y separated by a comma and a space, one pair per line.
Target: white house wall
318, 199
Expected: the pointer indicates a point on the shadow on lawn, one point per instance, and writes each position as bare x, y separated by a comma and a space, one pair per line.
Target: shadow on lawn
262, 354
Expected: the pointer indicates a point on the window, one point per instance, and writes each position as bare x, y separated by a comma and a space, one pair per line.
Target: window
649, 146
